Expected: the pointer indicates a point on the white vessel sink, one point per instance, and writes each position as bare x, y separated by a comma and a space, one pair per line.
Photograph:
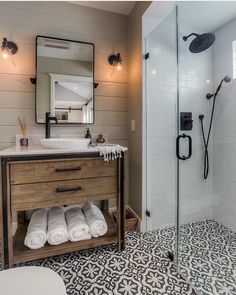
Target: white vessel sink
65, 143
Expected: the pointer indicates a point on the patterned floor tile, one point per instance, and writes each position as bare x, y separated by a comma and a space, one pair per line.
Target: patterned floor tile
142, 269
207, 260
207, 255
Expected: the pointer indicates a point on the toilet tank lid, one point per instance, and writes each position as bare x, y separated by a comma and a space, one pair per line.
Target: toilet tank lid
28, 280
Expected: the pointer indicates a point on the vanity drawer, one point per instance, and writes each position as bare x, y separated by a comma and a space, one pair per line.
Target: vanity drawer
44, 171
43, 195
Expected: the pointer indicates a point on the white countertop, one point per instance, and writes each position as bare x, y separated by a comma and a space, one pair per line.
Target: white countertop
40, 150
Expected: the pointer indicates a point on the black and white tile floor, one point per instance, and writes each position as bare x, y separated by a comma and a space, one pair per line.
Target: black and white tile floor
142, 269
207, 260
207, 256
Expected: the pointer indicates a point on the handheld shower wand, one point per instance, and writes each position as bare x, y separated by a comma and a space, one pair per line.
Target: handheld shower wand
226, 79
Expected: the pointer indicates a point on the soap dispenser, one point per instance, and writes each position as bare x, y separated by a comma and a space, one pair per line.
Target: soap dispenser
88, 135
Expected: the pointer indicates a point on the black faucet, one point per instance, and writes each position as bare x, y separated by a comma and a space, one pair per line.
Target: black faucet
48, 120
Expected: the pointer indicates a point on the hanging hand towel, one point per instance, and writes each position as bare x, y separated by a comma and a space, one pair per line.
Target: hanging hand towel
111, 151
57, 228
95, 219
36, 236
78, 229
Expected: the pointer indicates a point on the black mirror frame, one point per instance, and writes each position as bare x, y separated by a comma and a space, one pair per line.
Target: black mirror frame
35, 79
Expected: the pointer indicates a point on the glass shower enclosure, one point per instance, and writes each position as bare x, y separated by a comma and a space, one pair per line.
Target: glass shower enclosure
193, 217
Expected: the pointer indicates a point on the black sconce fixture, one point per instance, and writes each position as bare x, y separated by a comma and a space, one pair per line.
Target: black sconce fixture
8, 48
33, 80
115, 60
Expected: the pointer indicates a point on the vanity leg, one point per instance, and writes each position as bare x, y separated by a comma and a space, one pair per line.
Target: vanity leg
122, 204
1, 225
118, 222
118, 207
5, 215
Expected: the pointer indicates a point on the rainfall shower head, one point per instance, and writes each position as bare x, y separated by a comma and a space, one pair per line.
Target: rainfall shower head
226, 79
201, 42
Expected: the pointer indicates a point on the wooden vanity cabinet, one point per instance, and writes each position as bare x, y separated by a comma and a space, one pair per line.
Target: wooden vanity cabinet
35, 182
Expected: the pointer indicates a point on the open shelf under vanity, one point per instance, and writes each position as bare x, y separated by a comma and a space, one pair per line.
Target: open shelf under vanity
21, 253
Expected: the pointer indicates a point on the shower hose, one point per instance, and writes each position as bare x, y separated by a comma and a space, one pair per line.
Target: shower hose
206, 139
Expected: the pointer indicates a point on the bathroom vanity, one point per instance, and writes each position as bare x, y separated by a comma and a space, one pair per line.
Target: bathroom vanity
41, 178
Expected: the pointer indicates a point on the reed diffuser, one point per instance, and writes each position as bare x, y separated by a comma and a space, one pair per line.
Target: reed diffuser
24, 141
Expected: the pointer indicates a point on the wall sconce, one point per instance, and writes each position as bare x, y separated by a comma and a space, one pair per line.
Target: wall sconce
8, 48
115, 60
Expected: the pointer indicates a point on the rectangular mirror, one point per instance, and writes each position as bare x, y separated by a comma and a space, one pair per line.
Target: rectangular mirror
65, 80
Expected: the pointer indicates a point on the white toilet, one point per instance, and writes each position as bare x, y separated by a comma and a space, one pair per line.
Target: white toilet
28, 280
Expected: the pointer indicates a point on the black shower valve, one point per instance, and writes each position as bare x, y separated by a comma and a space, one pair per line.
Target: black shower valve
186, 122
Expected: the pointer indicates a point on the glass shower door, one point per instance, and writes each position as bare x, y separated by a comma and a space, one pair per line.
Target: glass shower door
161, 131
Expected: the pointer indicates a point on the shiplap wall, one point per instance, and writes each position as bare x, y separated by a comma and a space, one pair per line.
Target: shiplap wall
21, 22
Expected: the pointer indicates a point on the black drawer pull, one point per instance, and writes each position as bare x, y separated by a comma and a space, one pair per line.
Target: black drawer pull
63, 190
67, 169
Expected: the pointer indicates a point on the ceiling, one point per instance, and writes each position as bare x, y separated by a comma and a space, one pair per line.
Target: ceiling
207, 16
122, 7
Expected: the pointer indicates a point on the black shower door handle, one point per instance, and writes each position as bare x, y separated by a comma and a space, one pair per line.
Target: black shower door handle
189, 147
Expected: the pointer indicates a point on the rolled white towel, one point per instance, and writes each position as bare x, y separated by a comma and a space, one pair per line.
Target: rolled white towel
95, 219
36, 236
57, 229
83, 237
73, 206
78, 229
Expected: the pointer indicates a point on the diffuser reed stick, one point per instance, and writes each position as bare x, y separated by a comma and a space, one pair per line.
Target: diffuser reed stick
23, 126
